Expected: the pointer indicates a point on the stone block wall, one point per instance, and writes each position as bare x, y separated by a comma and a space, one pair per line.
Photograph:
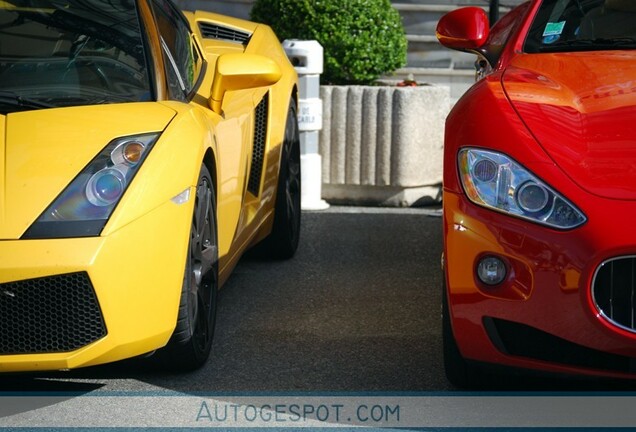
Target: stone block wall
382, 145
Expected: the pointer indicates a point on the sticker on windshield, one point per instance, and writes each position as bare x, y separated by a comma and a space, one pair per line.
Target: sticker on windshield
554, 28
553, 31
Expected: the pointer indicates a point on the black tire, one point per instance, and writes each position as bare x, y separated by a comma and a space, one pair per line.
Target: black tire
282, 243
190, 344
458, 371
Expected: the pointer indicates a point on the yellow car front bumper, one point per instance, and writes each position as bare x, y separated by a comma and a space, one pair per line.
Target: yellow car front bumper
68, 303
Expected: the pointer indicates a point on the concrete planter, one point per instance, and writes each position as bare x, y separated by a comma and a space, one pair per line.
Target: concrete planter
382, 145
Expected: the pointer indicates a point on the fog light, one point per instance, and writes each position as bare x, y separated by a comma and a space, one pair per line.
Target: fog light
491, 270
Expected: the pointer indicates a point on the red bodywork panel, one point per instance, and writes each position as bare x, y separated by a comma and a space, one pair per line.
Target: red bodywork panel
570, 119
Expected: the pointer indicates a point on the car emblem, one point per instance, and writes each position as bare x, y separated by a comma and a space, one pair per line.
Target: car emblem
8, 294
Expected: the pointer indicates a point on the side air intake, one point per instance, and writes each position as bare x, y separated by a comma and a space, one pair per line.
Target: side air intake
258, 151
215, 31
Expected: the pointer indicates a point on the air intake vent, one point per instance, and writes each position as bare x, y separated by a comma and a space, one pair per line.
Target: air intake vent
614, 291
49, 315
258, 152
215, 31
520, 340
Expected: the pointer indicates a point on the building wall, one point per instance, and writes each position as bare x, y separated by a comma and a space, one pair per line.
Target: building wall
235, 8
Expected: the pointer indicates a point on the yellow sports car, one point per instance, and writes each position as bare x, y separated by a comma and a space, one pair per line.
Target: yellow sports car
142, 150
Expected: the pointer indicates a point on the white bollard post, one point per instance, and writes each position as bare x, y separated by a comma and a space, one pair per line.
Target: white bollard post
307, 58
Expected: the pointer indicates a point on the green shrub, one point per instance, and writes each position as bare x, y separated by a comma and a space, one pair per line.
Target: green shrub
362, 39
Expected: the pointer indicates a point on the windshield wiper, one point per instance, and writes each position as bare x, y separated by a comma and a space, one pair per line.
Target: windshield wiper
589, 45
15, 100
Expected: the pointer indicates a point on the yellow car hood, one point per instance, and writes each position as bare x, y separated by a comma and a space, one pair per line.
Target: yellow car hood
42, 151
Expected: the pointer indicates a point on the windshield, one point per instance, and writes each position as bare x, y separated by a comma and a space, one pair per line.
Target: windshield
56, 53
583, 25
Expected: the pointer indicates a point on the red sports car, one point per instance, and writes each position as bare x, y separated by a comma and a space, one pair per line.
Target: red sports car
540, 191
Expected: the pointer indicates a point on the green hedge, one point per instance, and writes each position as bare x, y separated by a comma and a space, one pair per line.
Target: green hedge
362, 39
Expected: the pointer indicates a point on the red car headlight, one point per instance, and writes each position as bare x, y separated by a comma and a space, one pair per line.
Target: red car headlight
495, 181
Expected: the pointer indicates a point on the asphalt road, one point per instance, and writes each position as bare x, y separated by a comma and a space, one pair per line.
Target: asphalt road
357, 310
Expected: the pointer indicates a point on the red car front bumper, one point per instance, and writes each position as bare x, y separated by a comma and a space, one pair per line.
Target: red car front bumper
544, 315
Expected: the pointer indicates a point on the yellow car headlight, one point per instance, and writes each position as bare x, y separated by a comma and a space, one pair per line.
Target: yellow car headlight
84, 207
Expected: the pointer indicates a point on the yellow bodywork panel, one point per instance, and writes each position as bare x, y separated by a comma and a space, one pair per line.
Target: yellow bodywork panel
37, 146
236, 207
134, 273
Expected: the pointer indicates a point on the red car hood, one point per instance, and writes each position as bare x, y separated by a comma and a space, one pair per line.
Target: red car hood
581, 108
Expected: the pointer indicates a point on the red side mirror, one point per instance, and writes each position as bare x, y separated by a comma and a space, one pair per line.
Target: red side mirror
464, 29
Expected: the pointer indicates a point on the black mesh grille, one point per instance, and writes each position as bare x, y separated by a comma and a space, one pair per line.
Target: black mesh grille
49, 314
258, 152
614, 291
214, 31
524, 341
